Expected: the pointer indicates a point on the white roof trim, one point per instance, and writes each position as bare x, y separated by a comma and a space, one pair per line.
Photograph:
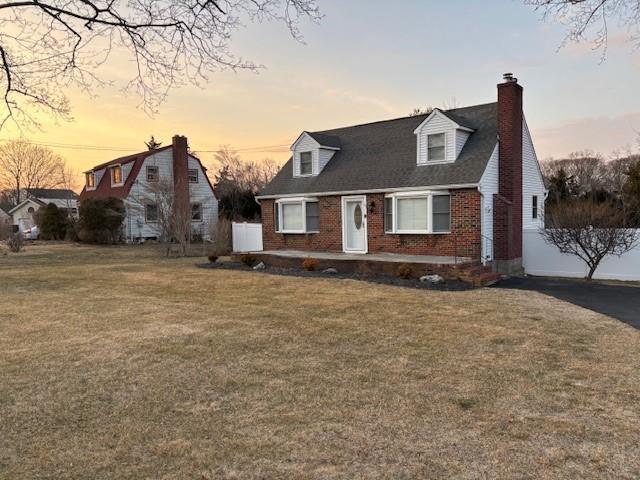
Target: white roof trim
21, 204
300, 137
437, 112
376, 190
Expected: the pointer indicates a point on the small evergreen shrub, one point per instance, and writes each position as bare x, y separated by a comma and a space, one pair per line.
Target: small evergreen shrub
248, 259
52, 223
310, 264
101, 220
405, 271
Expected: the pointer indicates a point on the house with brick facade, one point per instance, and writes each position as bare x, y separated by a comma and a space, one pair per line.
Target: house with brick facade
459, 183
140, 180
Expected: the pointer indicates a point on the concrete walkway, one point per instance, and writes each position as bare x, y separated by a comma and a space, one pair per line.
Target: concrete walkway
376, 257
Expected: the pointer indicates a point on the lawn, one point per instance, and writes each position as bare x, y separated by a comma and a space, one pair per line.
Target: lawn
117, 363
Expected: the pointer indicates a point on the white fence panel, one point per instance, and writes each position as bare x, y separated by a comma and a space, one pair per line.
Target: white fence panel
247, 237
540, 258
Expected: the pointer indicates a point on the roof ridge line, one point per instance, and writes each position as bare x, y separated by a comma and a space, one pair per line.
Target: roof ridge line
400, 118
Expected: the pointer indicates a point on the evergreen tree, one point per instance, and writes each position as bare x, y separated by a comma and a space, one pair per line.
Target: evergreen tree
152, 144
53, 223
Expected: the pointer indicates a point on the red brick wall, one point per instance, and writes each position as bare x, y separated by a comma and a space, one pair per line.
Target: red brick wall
508, 242
464, 239
180, 175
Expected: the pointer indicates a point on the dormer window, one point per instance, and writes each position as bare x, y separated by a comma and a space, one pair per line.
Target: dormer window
306, 163
441, 138
435, 149
116, 175
90, 180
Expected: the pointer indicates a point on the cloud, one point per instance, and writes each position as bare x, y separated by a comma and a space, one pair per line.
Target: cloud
603, 134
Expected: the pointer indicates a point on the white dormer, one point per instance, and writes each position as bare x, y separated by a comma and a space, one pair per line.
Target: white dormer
312, 152
440, 139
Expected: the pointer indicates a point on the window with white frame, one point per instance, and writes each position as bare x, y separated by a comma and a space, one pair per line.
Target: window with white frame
116, 175
151, 213
90, 180
435, 147
196, 212
306, 163
193, 175
419, 212
297, 216
534, 207
153, 173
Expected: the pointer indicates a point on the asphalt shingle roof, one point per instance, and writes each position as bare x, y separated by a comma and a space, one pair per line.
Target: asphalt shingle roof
382, 155
52, 193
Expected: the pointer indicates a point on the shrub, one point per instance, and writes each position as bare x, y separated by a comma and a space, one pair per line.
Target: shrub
52, 223
405, 271
14, 242
213, 258
101, 220
221, 237
310, 264
248, 259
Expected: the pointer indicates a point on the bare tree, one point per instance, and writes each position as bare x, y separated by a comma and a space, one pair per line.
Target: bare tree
47, 46
588, 230
24, 165
590, 20
420, 111
242, 174
172, 216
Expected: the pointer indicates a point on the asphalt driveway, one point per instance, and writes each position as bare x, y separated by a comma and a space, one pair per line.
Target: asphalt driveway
617, 301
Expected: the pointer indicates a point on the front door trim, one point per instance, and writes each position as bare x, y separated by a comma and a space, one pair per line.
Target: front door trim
363, 200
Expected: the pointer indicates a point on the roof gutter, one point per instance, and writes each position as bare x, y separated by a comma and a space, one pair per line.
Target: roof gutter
375, 190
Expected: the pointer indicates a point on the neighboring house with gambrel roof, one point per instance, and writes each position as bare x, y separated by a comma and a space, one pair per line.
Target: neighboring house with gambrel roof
451, 183
134, 177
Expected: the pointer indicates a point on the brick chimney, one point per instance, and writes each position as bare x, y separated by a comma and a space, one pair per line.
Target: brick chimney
508, 203
181, 173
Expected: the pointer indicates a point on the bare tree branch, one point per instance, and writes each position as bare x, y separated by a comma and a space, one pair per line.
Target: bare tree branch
589, 20
47, 46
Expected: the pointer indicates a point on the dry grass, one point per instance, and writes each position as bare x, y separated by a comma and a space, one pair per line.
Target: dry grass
115, 363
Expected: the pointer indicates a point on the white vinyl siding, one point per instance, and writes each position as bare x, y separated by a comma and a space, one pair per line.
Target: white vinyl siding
319, 156
461, 139
200, 193
126, 170
532, 183
488, 187
454, 138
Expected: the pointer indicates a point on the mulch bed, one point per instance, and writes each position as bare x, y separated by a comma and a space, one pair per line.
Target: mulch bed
446, 285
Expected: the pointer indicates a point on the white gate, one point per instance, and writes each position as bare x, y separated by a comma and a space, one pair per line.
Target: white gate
247, 237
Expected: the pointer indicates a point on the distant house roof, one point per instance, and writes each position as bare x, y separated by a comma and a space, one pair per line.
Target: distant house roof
104, 188
382, 155
52, 193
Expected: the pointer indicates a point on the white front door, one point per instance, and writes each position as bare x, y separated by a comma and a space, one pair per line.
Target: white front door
354, 224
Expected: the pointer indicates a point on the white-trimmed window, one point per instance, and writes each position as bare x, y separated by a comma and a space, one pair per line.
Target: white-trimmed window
150, 213
196, 212
116, 175
534, 207
300, 215
90, 178
417, 212
306, 163
193, 175
153, 173
436, 147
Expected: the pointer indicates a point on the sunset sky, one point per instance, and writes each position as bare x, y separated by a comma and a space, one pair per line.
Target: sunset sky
371, 60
